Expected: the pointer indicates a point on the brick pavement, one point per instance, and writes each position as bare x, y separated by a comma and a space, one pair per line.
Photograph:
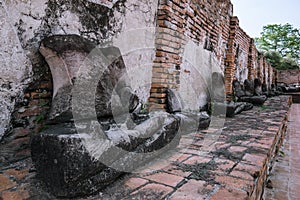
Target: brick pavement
233, 166
284, 180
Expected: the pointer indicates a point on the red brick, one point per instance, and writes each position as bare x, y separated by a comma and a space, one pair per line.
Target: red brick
255, 159
178, 157
197, 159
229, 194
251, 169
241, 174
134, 183
235, 182
17, 174
178, 172
153, 187
224, 164
165, 178
15, 195
237, 149
193, 189
6, 183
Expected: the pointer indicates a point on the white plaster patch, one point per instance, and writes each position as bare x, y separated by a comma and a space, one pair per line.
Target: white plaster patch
15, 69
195, 77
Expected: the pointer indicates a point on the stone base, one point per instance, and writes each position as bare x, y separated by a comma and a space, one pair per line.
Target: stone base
231, 109
76, 163
256, 100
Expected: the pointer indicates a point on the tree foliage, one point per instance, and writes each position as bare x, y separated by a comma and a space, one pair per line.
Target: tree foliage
279, 62
281, 44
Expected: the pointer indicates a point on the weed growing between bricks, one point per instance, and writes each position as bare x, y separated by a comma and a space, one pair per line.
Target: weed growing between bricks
253, 150
200, 171
234, 138
227, 154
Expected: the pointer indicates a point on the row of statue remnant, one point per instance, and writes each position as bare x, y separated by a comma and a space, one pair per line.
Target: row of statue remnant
96, 128
83, 151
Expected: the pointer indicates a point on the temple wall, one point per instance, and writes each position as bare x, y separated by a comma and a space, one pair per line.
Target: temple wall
175, 44
288, 76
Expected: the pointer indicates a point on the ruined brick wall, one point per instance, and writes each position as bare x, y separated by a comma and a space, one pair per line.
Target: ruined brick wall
217, 39
26, 81
202, 26
266, 74
260, 66
187, 40
252, 61
270, 77
28, 117
288, 76
242, 42
243, 60
239, 60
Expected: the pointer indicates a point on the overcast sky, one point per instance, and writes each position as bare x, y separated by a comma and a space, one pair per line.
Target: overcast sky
254, 14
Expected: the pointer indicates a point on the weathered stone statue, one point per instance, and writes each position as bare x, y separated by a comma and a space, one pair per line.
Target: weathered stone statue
89, 143
95, 130
222, 107
248, 87
251, 94
218, 90
257, 87
237, 89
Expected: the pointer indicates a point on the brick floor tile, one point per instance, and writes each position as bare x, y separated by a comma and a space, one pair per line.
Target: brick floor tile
15, 195
220, 145
199, 152
260, 146
158, 165
237, 149
178, 172
196, 159
17, 174
178, 157
229, 194
255, 159
224, 164
154, 165
11, 196
158, 189
234, 182
6, 183
286, 173
192, 190
244, 175
251, 169
134, 183
165, 178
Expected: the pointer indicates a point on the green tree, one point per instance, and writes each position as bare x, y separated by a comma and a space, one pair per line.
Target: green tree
279, 62
284, 39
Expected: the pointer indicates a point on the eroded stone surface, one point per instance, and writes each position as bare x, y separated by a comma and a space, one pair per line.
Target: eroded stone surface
24, 24
77, 65
15, 69
73, 169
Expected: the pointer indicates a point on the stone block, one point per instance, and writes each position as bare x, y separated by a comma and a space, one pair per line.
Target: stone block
73, 162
